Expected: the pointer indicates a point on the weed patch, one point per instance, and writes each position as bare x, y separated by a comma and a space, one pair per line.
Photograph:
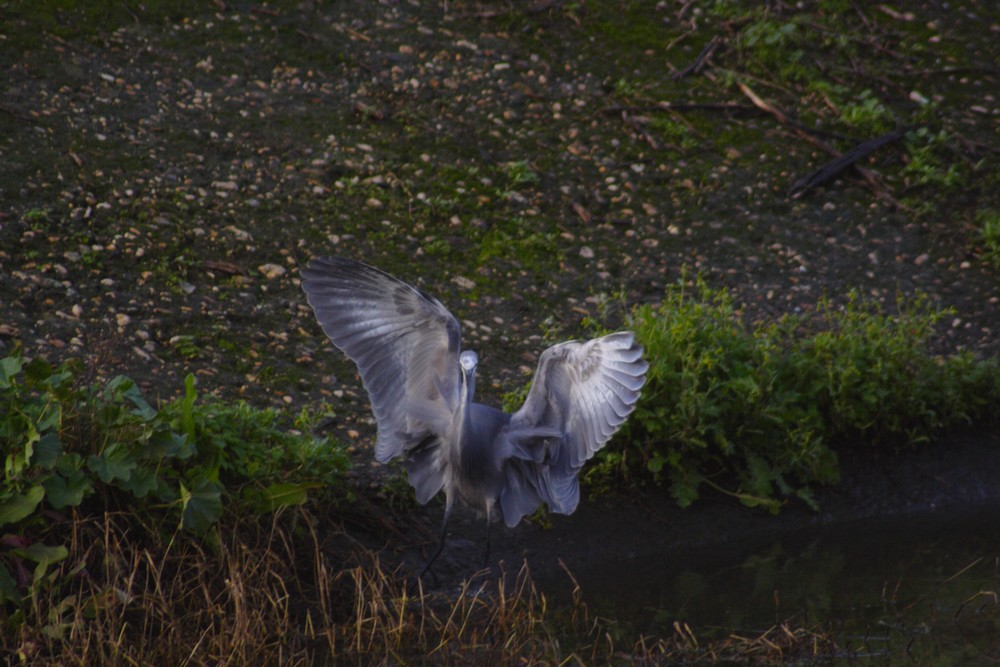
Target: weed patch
95, 448
760, 411
988, 221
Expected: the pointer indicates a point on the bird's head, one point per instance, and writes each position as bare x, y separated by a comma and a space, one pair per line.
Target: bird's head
468, 361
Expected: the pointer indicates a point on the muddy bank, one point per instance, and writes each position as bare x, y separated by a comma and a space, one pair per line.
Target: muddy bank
956, 476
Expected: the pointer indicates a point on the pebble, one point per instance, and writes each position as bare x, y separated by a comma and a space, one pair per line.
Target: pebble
463, 282
271, 271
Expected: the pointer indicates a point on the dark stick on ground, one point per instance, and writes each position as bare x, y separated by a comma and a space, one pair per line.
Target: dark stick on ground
839, 164
873, 180
699, 63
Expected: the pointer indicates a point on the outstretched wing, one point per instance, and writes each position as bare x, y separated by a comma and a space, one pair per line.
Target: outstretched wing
404, 342
584, 391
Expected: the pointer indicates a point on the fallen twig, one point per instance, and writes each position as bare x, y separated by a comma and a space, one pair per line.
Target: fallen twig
701, 60
872, 178
839, 164
616, 109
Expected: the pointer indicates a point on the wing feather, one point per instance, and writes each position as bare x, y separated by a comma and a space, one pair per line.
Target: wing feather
585, 391
404, 342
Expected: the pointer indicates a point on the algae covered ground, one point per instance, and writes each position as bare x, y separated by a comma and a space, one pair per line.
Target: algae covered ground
540, 167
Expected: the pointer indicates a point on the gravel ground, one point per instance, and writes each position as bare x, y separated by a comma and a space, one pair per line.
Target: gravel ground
166, 169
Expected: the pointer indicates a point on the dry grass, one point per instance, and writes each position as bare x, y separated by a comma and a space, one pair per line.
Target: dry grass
284, 590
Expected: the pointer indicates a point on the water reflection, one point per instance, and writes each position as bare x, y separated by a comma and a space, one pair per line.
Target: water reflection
922, 588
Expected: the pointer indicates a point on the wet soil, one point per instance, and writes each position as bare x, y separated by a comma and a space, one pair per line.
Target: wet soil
167, 168
958, 475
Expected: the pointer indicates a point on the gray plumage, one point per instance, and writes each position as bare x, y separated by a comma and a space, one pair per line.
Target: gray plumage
407, 348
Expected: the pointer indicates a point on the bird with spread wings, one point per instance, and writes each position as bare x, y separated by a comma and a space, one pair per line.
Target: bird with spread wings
420, 382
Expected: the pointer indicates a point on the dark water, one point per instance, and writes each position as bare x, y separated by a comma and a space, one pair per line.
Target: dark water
902, 591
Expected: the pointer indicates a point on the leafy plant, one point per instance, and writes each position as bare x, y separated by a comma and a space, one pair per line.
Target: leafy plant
760, 411
989, 230
519, 173
866, 112
775, 46
65, 444
929, 161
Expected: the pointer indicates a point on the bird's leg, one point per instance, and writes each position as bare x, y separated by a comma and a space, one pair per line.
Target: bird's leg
486, 556
444, 533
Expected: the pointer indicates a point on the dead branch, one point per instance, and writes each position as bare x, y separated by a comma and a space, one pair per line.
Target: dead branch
702, 59
874, 181
616, 109
839, 164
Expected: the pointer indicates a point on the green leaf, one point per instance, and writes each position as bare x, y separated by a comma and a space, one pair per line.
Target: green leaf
201, 505
8, 587
59, 383
143, 480
285, 494
47, 450
18, 507
62, 492
9, 367
166, 443
18, 458
116, 463
43, 554
125, 387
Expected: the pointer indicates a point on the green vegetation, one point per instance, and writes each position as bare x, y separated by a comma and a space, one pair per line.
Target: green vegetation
930, 162
66, 445
119, 517
760, 411
757, 411
988, 221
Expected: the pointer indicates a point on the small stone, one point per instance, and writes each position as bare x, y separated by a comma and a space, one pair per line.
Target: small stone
587, 252
463, 282
239, 233
271, 271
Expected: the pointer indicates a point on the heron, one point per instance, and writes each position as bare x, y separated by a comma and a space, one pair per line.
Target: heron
421, 383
